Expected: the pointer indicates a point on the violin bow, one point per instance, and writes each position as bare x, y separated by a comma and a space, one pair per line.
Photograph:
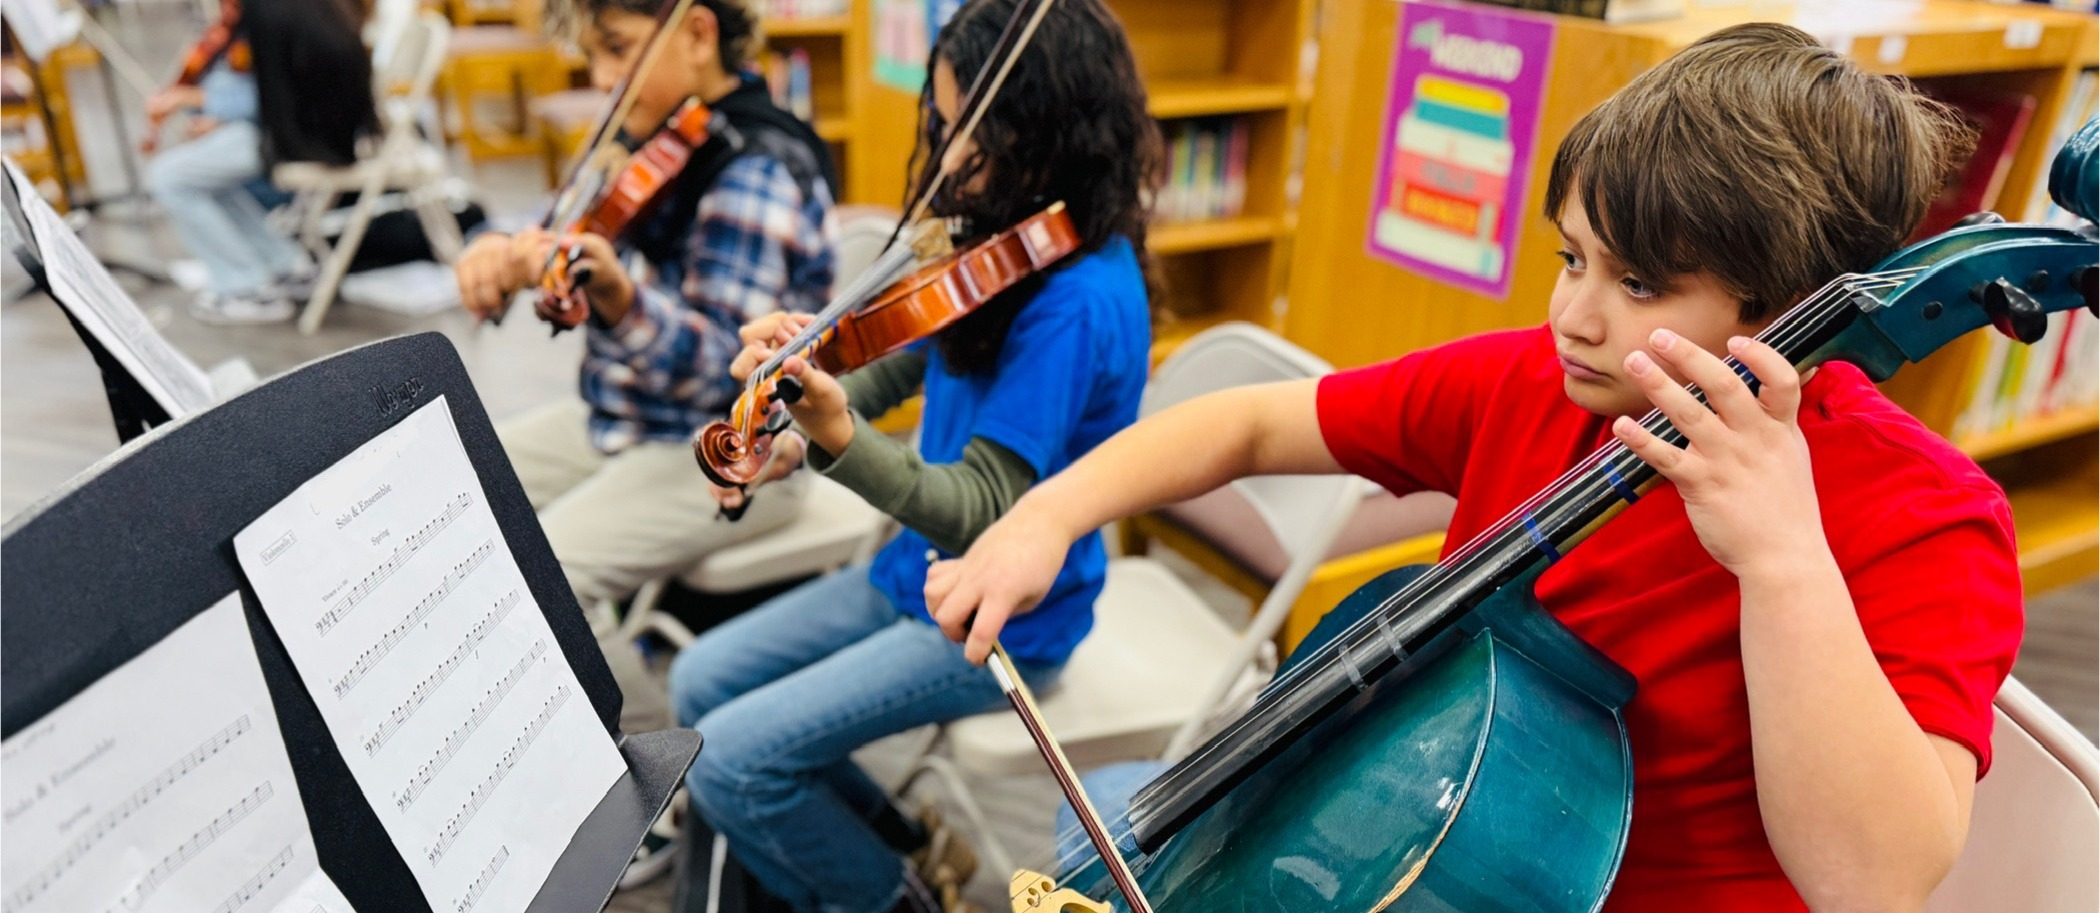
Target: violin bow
984, 87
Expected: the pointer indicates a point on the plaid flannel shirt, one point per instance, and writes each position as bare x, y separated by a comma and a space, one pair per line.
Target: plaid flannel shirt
756, 246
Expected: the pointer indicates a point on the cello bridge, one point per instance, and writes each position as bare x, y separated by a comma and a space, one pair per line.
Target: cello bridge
1035, 892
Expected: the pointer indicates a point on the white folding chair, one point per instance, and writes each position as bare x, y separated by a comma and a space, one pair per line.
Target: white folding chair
406, 67
835, 527
2035, 828
1160, 666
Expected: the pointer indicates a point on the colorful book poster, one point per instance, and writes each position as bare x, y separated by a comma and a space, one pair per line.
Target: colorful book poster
1461, 125
904, 31
902, 40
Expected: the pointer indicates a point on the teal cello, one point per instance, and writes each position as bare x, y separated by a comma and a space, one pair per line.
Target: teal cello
1440, 742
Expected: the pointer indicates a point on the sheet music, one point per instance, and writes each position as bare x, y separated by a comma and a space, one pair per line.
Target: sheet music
87, 291
390, 582
162, 787
41, 25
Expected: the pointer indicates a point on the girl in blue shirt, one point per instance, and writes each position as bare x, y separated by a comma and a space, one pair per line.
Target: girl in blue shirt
1013, 393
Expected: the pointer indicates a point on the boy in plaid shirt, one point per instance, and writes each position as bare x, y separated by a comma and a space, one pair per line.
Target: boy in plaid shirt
745, 231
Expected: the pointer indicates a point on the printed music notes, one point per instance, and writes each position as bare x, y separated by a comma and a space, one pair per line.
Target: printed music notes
164, 786
408, 619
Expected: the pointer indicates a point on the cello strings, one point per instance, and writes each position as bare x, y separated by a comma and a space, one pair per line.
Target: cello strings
1797, 325
1792, 328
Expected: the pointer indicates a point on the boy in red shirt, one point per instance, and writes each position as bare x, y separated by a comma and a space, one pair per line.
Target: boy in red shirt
1821, 605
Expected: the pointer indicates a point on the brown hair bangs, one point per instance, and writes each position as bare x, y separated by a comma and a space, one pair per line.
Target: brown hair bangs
1760, 157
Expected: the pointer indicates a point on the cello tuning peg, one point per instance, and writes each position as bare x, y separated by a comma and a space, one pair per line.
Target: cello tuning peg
2087, 281
1979, 218
2014, 312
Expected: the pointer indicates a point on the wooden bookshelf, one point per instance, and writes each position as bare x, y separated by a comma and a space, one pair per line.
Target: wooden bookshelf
2055, 493
808, 27
1202, 97
2048, 429
1352, 309
1169, 238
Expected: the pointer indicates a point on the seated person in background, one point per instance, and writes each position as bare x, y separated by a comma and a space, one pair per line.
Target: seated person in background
1820, 604
744, 232
272, 81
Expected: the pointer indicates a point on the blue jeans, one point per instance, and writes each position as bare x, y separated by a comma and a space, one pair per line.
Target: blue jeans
784, 694
202, 185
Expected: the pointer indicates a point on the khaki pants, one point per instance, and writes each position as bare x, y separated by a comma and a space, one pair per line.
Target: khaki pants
617, 522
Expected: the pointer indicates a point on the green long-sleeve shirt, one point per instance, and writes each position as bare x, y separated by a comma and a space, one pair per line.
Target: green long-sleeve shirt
948, 503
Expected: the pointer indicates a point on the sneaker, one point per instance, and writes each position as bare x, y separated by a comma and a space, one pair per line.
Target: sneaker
262, 307
298, 283
659, 848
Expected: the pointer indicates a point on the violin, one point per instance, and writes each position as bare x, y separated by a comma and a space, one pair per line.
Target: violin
913, 302
844, 338
217, 41
629, 194
616, 182
1489, 739
875, 317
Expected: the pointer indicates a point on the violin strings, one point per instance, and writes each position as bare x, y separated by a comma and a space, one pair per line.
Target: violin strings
891, 266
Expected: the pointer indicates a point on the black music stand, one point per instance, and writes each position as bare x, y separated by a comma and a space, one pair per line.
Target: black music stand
130, 405
142, 542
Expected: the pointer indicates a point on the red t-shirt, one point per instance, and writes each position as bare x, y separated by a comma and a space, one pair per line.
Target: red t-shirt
1923, 536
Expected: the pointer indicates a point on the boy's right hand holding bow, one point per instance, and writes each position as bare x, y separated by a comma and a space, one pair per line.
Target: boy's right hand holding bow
1006, 572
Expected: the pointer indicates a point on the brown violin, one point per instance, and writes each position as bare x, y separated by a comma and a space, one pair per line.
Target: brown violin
217, 41
623, 198
845, 337
615, 183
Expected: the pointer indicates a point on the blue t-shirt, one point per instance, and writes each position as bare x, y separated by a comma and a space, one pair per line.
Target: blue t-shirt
1068, 377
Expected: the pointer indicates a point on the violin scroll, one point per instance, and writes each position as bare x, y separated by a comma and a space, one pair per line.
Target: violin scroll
731, 458
863, 325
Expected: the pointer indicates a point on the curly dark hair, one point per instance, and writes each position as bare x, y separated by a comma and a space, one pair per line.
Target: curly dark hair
1069, 124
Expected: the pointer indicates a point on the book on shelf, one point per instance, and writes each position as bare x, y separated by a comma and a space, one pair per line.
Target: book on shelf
2000, 120
2080, 105
1206, 170
787, 77
777, 10
2012, 384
